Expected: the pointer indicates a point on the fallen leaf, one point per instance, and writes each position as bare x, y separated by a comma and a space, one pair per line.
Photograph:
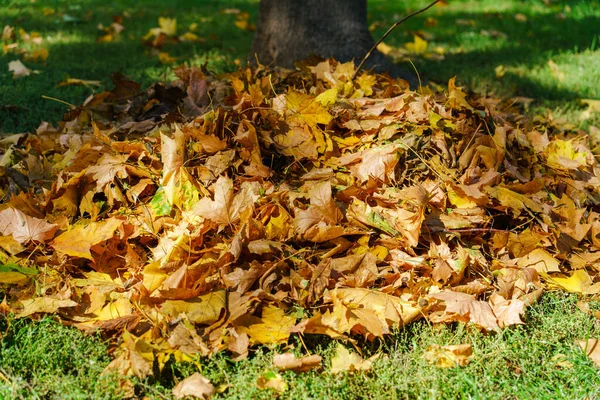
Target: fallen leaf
345, 361
449, 356
418, 46
272, 380
289, 361
578, 282
591, 347
24, 228
194, 385
18, 69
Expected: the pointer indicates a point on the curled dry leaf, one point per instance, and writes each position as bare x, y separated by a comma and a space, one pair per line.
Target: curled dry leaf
194, 385
289, 361
591, 348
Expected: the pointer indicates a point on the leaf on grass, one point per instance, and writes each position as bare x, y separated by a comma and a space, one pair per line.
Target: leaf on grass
271, 380
591, 348
289, 361
25, 229
417, 46
450, 356
478, 312
15, 274
78, 82
195, 385
18, 69
345, 361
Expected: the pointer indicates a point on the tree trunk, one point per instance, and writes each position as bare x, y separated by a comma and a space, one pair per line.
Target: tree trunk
292, 30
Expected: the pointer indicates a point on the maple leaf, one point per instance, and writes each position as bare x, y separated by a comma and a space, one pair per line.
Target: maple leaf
465, 305
319, 221
364, 311
591, 347
205, 309
304, 109
43, 305
578, 282
24, 228
377, 162
456, 97
418, 46
226, 207
78, 82
540, 260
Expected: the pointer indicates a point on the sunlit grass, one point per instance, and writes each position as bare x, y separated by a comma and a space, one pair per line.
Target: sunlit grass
537, 360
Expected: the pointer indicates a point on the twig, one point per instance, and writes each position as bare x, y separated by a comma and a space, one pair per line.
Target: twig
387, 33
58, 100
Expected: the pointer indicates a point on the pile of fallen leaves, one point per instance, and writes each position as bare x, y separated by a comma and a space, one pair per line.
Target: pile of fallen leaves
218, 213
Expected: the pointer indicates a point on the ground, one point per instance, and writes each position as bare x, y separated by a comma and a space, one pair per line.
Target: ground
546, 51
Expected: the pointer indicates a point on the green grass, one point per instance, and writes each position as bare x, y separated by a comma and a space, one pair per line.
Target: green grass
46, 360
563, 31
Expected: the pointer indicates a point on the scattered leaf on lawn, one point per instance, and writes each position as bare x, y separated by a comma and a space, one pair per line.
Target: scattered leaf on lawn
289, 361
450, 356
194, 385
272, 380
591, 348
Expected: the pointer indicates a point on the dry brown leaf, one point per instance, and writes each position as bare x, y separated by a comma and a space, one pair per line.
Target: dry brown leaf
24, 228
591, 347
194, 385
289, 361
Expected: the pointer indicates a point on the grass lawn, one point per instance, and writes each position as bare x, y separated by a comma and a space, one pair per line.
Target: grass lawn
538, 360
548, 51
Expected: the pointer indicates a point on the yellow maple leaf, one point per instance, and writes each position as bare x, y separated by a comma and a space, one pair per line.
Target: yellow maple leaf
168, 25
540, 260
274, 326
418, 46
205, 309
579, 282
304, 109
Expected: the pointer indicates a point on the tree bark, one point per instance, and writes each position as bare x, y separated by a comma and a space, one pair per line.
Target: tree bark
292, 30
